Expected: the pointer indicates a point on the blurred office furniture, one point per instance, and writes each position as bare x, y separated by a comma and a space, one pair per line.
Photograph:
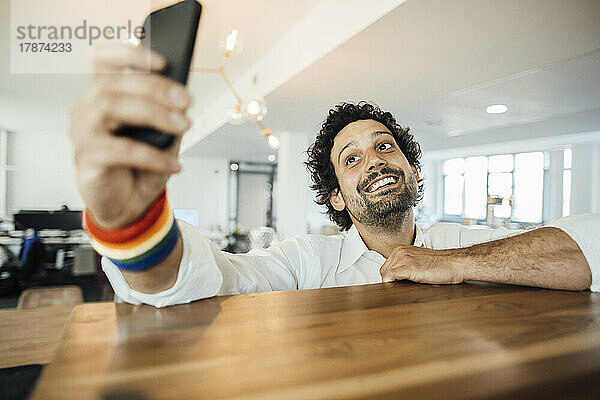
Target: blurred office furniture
216, 235
84, 261
53, 251
237, 242
32, 254
40, 219
261, 237
50, 296
492, 218
9, 265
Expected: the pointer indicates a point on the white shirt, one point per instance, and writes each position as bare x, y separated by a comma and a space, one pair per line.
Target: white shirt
317, 261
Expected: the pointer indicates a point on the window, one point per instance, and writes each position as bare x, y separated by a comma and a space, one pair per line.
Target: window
514, 181
500, 182
453, 186
529, 187
475, 187
567, 161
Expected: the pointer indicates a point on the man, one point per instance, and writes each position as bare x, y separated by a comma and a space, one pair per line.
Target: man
365, 168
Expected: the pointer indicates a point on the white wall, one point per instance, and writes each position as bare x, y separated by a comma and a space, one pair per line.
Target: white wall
315, 214
585, 178
202, 186
292, 185
42, 175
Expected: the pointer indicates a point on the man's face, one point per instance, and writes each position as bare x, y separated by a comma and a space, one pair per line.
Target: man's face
377, 184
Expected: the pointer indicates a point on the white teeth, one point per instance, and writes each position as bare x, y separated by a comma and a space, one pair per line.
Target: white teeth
382, 182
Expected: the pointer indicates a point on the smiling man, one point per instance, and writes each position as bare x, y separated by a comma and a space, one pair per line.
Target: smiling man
365, 170
373, 184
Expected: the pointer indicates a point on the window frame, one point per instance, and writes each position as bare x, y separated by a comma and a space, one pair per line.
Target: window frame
460, 218
564, 169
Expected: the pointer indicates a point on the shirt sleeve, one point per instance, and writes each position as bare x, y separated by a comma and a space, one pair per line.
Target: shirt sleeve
446, 235
584, 229
206, 271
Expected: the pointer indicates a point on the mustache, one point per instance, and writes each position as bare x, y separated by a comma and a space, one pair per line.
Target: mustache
384, 171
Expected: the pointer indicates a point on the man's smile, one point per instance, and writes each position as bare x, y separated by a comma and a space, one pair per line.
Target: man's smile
382, 182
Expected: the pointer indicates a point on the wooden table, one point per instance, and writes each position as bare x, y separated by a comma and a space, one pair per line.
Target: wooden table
31, 336
393, 341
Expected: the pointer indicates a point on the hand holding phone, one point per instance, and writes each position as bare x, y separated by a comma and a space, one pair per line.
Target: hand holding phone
171, 32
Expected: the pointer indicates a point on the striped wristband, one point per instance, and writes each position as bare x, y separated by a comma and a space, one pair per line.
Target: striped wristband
141, 245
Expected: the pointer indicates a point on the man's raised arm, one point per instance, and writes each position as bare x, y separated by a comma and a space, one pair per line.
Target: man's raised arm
564, 256
120, 179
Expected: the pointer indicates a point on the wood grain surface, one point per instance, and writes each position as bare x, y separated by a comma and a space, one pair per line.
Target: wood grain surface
396, 340
31, 336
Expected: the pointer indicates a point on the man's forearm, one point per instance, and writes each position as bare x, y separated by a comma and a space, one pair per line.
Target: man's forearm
545, 257
160, 277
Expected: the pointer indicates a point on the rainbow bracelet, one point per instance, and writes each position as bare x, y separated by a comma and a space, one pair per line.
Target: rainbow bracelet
141, 245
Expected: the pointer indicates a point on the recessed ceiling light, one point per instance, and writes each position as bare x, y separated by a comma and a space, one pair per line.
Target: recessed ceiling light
271, 157
496, 109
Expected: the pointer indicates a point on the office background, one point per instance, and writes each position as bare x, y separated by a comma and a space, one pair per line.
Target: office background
436, 65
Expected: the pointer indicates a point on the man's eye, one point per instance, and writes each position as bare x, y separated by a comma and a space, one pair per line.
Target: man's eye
350, 160
384, 146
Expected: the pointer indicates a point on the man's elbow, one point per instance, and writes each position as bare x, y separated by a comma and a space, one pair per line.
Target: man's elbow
580, 280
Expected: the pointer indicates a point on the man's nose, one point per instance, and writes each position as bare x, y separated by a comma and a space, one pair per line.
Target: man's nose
374, 162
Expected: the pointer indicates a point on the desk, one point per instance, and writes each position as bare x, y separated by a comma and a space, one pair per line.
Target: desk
399, 340
78, 238
31, 336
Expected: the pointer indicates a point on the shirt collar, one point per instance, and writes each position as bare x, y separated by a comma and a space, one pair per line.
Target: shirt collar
353, 247
419, 237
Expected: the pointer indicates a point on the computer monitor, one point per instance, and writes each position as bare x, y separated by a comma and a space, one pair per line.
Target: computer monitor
38, 220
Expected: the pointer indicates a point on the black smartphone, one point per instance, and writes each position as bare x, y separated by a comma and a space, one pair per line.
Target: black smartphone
171, 32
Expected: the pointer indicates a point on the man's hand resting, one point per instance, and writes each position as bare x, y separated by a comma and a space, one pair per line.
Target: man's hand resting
422, 265
545, 257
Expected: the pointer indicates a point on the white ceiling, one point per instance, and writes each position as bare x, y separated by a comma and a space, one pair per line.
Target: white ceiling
435, 64
260, 23
49, 95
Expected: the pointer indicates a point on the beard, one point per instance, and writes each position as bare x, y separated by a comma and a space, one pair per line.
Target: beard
388, 208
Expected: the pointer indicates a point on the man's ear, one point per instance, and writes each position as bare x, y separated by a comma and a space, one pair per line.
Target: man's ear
416, 172
336, 200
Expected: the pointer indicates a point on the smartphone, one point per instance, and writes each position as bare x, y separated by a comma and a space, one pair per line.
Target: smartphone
171, 32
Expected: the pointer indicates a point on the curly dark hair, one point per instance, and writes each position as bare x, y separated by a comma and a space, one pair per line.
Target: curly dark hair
319, 163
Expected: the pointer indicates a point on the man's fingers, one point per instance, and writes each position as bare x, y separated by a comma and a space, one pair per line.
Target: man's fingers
387, 271
140, 111
125, 152
152, 86
118, 57
386, 267
394, 274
